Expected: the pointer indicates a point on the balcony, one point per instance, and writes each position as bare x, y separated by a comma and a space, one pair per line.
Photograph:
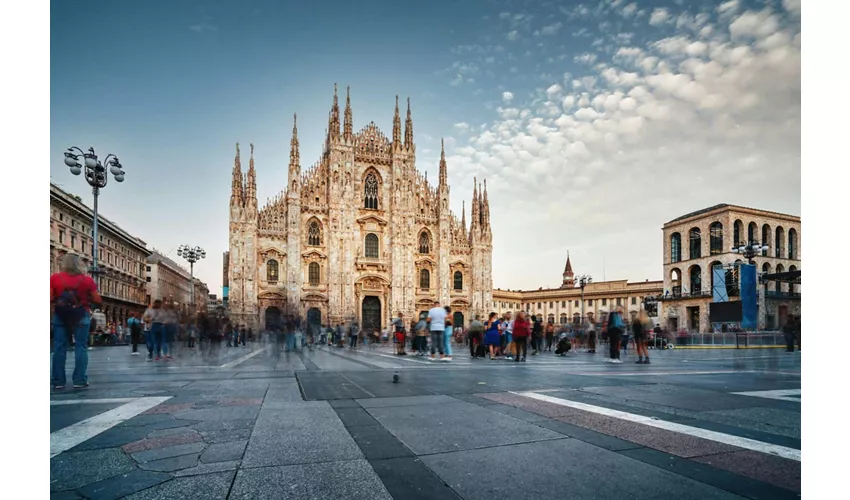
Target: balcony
676, 293
371, 263
773, 294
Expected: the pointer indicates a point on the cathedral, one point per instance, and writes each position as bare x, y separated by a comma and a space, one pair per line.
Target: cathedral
360, 235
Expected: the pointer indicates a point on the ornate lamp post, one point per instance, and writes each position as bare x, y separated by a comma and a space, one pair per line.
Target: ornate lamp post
583, 281
192, 255
97, 177
750, 249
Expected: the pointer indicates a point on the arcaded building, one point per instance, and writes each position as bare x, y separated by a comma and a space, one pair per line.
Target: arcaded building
360, 235
697, 242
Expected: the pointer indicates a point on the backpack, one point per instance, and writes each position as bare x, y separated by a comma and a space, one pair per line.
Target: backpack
69, 308
617, 321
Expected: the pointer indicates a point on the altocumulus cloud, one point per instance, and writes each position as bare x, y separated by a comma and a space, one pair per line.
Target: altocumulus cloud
596, 163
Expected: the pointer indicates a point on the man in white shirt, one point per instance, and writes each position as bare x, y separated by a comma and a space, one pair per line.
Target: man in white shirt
508, 337
437, 326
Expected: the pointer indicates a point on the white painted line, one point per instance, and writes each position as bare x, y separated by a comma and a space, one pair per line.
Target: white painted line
779, 394
67, 438
244, 358
60, 402
740, 442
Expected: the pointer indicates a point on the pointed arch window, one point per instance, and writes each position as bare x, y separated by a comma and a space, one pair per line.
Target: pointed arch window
272, 271
313, 273
425, 279
424, 242
314, 234
695, 243
458, 280
370, 192
715, 238
675, 247
372, 249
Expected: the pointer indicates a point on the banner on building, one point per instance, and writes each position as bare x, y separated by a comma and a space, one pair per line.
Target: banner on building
718, 291
749, 297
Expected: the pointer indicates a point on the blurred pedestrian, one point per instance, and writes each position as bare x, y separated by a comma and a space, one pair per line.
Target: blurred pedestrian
135, 327
447, 334
616, 327
492, 335
399, 334
639, 331
475, 335
522, 331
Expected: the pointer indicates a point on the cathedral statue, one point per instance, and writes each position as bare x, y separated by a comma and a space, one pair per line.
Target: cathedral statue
330, 252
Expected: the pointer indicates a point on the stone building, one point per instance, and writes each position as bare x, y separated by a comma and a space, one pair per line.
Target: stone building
360, 235
567, 303
121, 256
201, 293
168, 280
697, 242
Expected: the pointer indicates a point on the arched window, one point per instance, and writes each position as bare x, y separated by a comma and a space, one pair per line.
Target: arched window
458, 280
550, 318
695, 243
765, 269
313, 273
675, 247
752, 231
370, 192
792, 243
780, 286
739, 233
791, 269
424, 242
314, 234
696, 280
676, 282
765, 237
576, 318
715, 238
713, 266
563, 320
780, 242
425, 279
372, 250
272, 271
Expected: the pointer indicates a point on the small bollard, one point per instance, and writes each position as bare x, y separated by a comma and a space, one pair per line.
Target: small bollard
395, 377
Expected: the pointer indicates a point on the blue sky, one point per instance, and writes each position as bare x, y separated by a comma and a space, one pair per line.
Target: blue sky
594, 123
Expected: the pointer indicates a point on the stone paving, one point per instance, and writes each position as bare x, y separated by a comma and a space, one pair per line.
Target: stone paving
330, 423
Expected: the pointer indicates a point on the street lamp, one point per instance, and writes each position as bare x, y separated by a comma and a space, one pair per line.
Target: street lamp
750, 249
192, 255
583, 281
97, 178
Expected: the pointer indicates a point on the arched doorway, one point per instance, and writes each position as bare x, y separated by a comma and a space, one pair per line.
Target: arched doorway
314, 319
371, 314
273, 318
457, 319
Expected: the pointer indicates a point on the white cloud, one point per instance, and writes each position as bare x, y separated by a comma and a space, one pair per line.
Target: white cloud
629, 10
659, 16
462, 126
730, 6
513, 35
792, 6
639, 136
551, 29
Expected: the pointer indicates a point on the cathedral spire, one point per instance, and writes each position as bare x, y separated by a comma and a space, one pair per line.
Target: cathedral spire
485, 207
463, 215
294, 160
476, 217
236, 187
251, 185
396, 125
348, 125
443, 174
569, 277
408, 128
333, 122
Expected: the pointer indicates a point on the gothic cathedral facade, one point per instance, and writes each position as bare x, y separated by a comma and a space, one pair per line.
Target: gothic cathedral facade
359, 236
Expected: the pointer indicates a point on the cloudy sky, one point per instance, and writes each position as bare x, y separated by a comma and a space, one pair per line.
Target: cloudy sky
593, 123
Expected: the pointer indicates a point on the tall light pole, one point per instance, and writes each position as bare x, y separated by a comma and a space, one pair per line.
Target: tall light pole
750, 249
583, 281
192, 255
97, 178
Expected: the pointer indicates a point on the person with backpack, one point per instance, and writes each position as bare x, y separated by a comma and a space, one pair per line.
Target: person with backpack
72, 294
522, 330
616, 326
536, 334
399, 334
135, 332
475, 335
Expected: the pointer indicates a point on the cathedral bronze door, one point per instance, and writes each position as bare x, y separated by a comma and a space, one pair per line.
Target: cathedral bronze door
371, 314
273, 318
457, 320
314, 319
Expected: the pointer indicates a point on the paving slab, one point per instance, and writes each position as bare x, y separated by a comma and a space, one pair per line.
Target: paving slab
437, 428
224, 452
677, 396
168, 452
600, 440
767, 468
206, 486
300, 434
377, 443
223, 425
409, 478
351, 480
329, 385
344, 403
65, 495
221, 413
583, 472
353, 417
213, 437
406, 401
113, 438
203, 468
171, 464
71, 470
62, 416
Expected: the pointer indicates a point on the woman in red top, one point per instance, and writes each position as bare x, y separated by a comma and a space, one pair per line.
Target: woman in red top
522, 330
71, 295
